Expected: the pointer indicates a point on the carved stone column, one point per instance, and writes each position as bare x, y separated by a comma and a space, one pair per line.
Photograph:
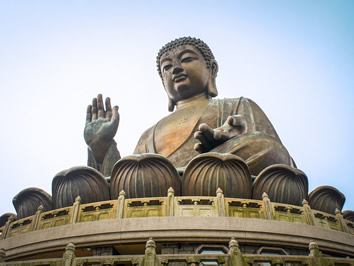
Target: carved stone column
235, 255
37, 217
220, 202
171, 202
316, 254
150, 253
69, 254
341, 221
76, 210
7, 227
120, 204
310, 218
268, 208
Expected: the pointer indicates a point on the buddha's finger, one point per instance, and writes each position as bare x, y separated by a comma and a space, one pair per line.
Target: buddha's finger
89, 114
207, 131
115, 117
108, 108
100, 108
199, 135
94, 109
198, 147
236, 121
115, 114
231, 121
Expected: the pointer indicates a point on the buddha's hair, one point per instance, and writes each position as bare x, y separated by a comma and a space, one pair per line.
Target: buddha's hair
202, 47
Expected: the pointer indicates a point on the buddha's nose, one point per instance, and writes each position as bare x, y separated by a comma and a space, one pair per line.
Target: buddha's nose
177, 69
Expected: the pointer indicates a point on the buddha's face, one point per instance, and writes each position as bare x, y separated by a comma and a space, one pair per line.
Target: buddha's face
184, 72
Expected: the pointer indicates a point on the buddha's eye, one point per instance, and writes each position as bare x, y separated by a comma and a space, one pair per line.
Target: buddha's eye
166, 67
187, 59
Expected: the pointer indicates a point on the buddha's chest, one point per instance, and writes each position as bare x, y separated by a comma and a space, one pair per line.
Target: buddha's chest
173, 130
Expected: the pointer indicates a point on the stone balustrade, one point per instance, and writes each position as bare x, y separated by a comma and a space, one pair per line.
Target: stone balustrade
233, 257
176, 206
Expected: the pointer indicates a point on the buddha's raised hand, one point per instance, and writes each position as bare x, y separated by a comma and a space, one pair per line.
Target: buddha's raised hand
210, 138
101, 126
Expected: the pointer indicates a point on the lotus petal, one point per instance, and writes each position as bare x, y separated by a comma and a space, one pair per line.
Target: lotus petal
349, 215
326, 199
144, 175
28, 200
207, 172
82, 181
5, 217
282, 183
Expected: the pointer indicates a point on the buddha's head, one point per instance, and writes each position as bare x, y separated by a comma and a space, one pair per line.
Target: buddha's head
187, 68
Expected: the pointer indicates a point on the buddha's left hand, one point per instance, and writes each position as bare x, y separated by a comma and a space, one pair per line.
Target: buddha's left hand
210, 138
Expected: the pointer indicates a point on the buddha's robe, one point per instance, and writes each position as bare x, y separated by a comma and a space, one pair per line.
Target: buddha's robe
259, 146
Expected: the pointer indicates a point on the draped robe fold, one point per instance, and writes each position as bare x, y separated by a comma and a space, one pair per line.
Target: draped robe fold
260, 146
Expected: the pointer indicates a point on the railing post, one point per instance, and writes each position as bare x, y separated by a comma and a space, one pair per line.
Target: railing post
120, 205
310, 218
2, 255
76, 210
35, 222
170, 202
235, 255
268, 208
7, 227
150, 253
220, 202
341, 221
69, 255
316, 254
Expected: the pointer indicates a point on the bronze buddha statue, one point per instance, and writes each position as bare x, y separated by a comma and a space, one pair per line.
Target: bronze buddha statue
216, 144
199, 123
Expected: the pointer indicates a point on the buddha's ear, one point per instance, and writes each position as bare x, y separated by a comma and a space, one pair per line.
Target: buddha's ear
214, 68
171, 105
212, 90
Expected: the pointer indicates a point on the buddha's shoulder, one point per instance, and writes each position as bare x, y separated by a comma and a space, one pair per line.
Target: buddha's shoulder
230, 106
233, 101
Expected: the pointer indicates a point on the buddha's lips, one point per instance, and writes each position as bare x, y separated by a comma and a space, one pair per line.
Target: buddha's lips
180, 78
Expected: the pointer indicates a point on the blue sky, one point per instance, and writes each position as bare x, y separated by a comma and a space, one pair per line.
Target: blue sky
295, 59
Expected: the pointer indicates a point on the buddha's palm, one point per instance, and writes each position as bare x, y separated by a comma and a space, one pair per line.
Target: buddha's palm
101, 127
212, 137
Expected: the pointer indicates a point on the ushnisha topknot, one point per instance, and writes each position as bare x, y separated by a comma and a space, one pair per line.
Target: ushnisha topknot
202, 47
